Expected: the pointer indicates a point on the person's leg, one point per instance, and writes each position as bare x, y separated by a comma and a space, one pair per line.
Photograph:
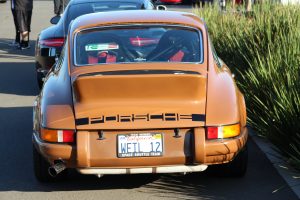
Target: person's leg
16, 42
60, 7
248, 5
25, 40
28, 26
233, 4
63, 4
24, 22
20, 23
56, 7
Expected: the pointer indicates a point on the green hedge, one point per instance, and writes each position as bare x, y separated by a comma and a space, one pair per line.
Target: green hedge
263, 50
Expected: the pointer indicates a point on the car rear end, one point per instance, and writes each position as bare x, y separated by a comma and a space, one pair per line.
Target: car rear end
138, 123
146, 113
48, 48
139, 97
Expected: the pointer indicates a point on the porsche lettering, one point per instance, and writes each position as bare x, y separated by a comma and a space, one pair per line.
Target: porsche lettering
139, 117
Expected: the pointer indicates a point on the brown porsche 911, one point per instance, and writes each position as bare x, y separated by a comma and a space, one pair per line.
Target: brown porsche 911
139, 92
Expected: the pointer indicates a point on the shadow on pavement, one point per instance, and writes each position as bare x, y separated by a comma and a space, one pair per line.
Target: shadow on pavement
16, 172
18, 78
260, 182
16, 169
10, 52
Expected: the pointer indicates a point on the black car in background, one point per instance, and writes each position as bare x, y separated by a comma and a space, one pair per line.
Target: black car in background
51, 40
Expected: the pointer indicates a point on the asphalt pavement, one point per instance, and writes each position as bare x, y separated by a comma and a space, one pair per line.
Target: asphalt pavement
18, 89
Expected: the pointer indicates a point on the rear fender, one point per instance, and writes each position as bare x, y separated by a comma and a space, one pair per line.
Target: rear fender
223, 104
56, 100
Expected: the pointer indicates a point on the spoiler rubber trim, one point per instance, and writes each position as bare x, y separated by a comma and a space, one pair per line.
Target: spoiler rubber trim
139, 72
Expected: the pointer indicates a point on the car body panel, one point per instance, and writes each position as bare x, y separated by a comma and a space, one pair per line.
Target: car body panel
139, 16
55, 104
131, 102
225, 107
179, 151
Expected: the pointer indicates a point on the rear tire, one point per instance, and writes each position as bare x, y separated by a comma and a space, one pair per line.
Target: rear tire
236, 168
39, 75
40, 166
40, 82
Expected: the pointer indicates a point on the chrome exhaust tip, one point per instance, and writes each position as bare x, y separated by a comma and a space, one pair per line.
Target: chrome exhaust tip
57, 168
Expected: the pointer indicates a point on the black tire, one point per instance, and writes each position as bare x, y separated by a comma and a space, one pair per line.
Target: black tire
39, 75
40, 166
236, 168
39, 78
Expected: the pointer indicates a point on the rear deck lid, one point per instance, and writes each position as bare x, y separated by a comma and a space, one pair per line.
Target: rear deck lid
139, 99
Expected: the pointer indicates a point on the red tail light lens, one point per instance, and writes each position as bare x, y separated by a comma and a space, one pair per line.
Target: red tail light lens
61, 136
139, 42
67, 136
53, 42
212, 132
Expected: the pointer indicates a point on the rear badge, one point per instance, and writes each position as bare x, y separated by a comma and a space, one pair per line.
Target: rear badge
134, 117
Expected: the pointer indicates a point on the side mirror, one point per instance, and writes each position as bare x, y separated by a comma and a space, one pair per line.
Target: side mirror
161, 7
55, 19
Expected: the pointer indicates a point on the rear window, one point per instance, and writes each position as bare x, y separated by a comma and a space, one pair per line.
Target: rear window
138, 44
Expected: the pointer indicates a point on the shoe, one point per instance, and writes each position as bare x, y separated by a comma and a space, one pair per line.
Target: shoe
24, 45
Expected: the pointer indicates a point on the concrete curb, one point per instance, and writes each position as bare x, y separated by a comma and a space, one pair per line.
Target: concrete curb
291, 177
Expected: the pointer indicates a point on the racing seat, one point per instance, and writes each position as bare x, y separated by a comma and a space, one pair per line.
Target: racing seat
109, 55
102, 57
174, 46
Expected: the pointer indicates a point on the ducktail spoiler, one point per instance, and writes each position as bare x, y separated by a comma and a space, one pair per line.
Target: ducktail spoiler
139, 99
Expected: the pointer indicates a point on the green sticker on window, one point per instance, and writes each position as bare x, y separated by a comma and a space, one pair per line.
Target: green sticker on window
101, 47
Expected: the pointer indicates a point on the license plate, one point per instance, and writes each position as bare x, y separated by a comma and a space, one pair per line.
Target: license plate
140, 145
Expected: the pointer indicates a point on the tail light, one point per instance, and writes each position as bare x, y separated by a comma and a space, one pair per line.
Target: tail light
61, 136
139, 42
53, 42
220, 132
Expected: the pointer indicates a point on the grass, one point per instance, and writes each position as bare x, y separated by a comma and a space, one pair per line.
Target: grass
263, 50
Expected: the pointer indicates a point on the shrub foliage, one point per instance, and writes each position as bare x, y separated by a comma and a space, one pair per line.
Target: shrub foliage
263, 50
